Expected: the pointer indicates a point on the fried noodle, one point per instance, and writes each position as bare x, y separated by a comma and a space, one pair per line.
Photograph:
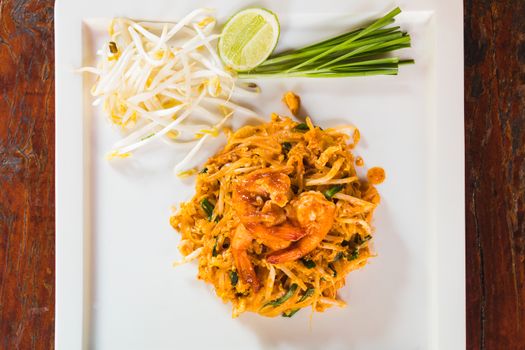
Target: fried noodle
266, 272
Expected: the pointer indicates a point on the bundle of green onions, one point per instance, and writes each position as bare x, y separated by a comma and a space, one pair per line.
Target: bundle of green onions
357, 53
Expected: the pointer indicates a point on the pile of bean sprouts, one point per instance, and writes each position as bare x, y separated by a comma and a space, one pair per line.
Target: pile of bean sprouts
165, 81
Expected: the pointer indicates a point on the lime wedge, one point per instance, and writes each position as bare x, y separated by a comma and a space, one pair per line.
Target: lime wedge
248, 38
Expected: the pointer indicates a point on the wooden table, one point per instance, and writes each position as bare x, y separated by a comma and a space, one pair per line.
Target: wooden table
495, 174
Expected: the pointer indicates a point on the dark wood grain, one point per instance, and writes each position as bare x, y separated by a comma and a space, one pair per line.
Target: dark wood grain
27, 241
495, 173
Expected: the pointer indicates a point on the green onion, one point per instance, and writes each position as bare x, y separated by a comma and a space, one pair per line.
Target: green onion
329, 193
356, 53
203, 171
234, 278
301, 127
354, 255
285, 297
334, 271
309, 292
287, 146
309, 264
207, 207
338, 257
290, 313
214, 250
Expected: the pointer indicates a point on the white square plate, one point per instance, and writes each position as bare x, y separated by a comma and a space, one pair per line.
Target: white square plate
115, 287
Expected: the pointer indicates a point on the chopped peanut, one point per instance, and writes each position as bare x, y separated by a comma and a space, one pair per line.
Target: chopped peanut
292, 101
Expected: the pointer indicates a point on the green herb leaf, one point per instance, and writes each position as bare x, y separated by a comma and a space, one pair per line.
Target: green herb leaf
214, 250
301, 127
290, 313
354, 255
284, 298
207, 207
309, 264
234, 278
334, 271
286, 146
329, 193
358, 240
338, 257
309, 292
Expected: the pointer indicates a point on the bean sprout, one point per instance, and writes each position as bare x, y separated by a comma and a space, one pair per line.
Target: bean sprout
165, 80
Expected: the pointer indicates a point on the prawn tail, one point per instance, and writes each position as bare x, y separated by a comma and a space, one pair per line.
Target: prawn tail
247, 271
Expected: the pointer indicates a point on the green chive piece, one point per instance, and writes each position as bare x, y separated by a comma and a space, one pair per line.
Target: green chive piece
214, 250
287, 146
301, 127
290, 313
284, 298
203, 171
380, 23
334, 271
329, 193
207, 207
309, 264
234, 278
338, 257
354, 255
309, 292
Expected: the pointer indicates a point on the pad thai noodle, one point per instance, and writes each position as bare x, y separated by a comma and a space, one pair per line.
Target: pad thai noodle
279, 218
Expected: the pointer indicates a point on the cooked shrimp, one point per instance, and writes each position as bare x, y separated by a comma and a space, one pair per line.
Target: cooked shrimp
259, 199
259, 185
242, 239
316, 216
276, 237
